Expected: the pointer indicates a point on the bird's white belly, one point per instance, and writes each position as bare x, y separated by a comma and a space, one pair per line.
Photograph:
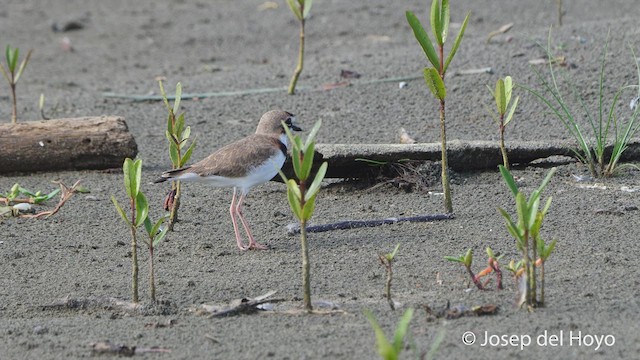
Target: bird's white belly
257, 175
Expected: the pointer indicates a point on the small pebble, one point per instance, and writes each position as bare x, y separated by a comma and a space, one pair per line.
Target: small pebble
402, 85
39, 330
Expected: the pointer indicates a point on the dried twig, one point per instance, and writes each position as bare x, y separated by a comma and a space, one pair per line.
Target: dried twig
66, 193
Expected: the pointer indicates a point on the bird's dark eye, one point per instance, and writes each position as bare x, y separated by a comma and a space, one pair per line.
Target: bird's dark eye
288, 121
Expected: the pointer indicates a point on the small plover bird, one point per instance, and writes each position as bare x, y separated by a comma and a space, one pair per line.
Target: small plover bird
242, 165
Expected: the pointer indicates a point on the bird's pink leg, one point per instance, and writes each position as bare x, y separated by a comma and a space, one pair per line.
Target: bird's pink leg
252, 242
232, 211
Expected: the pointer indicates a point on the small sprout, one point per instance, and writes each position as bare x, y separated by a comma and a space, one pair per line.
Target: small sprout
386, 349
155, 233
387, 261
12, 75
302, 196
526, 231
178, 137
434, 76
300, 9
139, 210
502, 96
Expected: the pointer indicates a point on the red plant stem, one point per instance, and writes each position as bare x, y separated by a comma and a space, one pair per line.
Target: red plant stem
494, 265
475, 279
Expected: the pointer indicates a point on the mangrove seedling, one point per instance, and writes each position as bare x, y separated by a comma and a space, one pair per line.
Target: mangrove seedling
12, 75
18, 194
156, 233
493, 266
387, 261
139, 211
390, 350
177, 135
502, 95
526, 230
302, 195
434, 76
300, 9
544, 251
605, 126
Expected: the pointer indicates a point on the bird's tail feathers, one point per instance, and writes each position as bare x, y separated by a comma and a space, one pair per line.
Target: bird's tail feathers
171, 174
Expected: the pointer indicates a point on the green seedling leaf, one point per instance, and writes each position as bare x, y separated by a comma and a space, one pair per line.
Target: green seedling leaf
468, 258
435, 83
315, 185
148, 226
307, 161
12, 58
309, 207
23, 65
83, 189
179, 126
546, 180
291, 184
173, 154
176, 102
508, 88
5, 74
392, 254
42, 198
459, 259
312, 135
295, 8
385, 349
456, 44
160, 235
500, 97
164, 98
142, 208
423, 39
294, 201
508, 178
436, 26
184, 136
511, 226
123, 215
307, 8
295, 160
509, 116
187, 154
444, 20
490, 253
402, 328
129, 178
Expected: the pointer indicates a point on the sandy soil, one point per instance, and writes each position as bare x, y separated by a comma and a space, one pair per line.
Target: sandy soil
592, 279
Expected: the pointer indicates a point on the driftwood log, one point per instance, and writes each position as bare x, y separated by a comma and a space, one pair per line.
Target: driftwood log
65, 144
345, 159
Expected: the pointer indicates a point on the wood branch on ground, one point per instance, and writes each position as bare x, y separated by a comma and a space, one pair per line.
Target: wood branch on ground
92, 143
345, 160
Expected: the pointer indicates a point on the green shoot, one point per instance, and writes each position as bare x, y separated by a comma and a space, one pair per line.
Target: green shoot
387, 261
177, 135
155, 233
387, 349
18, 194
502, 96
526, 231
605, 126
300, 9
139, 211
302, 195
12, 75
434, 76
493, 266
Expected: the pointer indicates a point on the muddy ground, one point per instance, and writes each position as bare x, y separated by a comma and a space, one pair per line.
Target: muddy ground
592, 286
